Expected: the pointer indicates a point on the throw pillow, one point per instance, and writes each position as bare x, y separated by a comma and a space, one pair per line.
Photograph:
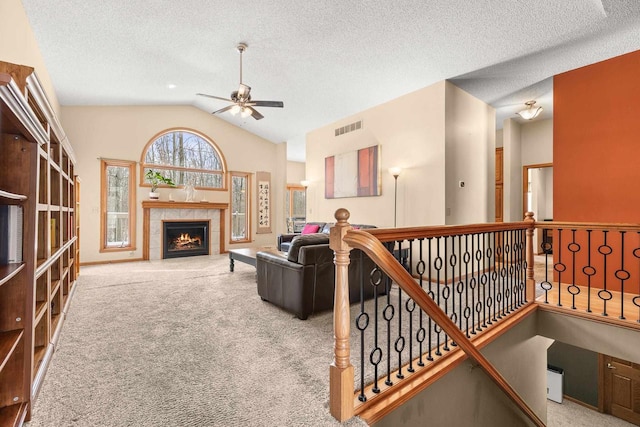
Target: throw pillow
310, 228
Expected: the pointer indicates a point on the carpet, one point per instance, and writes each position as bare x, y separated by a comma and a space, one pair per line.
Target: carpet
184, 342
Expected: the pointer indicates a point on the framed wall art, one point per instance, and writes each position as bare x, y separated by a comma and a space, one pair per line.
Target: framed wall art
353, 174
263, 183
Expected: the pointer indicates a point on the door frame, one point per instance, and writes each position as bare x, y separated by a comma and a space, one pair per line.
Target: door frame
525, 182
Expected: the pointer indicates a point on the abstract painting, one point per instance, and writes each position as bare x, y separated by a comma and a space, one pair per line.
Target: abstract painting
353, 174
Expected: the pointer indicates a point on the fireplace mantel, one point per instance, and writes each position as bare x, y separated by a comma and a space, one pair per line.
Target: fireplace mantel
148, 205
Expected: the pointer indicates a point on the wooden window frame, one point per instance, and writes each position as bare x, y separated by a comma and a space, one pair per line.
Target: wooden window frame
104, 164
223, 162
291, 188
247, 176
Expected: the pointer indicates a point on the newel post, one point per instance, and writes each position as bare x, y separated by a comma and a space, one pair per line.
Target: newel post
531, 283
341, 371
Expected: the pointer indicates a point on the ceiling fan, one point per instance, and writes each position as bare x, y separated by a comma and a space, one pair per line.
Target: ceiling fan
241, 98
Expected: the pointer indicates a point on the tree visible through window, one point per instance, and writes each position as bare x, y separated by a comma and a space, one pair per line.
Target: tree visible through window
118, 215
185, 157
240, 202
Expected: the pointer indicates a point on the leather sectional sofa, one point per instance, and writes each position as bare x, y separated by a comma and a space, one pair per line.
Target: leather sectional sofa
302, 282
284, 240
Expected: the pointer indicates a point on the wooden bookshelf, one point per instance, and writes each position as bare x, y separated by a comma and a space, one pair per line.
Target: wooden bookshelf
36, 173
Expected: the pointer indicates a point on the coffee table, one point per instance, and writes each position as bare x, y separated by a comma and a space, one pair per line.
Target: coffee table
247, 255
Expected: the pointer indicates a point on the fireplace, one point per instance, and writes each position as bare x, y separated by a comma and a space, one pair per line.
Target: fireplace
185, 238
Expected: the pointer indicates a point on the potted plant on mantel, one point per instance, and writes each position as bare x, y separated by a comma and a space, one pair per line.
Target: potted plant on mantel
155, 178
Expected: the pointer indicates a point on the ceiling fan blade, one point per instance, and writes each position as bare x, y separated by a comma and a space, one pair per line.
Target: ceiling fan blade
254, 113
243, 91
222, 110
214, 97
278, 104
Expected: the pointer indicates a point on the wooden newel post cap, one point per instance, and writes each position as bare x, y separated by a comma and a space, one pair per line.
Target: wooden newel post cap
528, 216
342, 215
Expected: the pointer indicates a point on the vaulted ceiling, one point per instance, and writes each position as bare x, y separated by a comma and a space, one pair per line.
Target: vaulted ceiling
325, 59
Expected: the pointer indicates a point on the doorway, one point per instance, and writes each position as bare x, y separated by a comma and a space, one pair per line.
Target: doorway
621, 388
537, 197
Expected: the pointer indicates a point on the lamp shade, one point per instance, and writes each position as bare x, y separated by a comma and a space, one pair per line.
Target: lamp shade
395, 171
305, 183
531, 112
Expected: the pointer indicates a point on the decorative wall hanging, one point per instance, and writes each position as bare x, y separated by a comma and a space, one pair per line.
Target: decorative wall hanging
263, 180
353, 174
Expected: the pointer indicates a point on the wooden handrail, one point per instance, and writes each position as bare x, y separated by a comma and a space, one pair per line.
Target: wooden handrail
586, 226
409, 233
385, 260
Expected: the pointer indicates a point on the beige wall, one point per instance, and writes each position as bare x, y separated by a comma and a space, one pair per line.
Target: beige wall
410, 131
524, 144
470, 158
438, 135
122, 133
295, 172
18, 45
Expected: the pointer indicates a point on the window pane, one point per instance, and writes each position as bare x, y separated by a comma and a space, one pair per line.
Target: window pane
199, 179
186, 150
299, 205
239, 204
117, 220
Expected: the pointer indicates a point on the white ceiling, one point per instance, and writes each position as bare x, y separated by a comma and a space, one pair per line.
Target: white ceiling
326, 59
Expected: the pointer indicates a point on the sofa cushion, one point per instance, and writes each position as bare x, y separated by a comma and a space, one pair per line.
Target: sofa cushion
304, 240
310, 228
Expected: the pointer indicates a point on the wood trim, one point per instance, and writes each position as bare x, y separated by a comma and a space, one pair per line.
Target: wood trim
248, 215
581, 403
215, 147
148, 204
408, 233
103, 204
382, 257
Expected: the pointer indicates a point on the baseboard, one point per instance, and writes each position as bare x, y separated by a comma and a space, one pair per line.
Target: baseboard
116, 261
579, 402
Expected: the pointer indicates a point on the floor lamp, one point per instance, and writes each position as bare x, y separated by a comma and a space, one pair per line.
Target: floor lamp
396, 173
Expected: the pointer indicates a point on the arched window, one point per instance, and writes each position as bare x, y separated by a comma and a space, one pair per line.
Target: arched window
185, 156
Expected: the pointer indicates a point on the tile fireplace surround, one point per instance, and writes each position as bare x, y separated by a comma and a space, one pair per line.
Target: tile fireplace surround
154, 212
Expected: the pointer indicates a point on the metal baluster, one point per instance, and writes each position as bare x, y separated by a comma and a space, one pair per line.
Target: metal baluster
362, 321
388, 314
438, 266
486, 288
376, 278
410, 306
604, 294
559, 267
494, 278
446, 291
431, 294
589, 271
399, 343
420, 337
622, 274
574, 248
467, 258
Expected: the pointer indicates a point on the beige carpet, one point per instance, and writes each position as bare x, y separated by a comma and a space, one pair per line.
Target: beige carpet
183, 342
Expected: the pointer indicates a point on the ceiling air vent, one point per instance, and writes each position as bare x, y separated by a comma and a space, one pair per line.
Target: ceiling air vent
349, 128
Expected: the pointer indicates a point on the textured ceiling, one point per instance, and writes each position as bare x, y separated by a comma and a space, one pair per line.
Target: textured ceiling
325, 59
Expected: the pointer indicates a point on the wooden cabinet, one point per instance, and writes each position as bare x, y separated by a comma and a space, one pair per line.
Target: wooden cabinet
37, 180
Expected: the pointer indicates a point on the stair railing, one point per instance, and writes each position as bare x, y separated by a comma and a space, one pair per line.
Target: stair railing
507, 251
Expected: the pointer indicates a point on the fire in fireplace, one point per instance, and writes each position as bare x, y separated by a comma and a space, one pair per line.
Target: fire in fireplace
185, 238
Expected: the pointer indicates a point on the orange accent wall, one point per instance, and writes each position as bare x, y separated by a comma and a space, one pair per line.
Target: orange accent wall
596, 142
596, 160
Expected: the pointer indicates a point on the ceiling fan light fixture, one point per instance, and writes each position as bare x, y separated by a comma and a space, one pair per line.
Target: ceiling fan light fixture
531, 112
246, 112
235, 109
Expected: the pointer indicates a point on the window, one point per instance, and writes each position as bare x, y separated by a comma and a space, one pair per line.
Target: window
186, 157
117, 199
296, 206
240, 207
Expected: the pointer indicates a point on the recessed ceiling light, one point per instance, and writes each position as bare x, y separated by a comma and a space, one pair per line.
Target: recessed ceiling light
171, 86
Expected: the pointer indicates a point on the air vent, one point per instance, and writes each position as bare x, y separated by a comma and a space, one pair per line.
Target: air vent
349, 128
